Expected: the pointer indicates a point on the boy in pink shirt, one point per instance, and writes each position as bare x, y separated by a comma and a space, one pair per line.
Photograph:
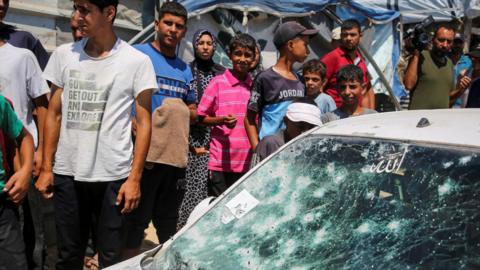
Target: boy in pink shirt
223, 105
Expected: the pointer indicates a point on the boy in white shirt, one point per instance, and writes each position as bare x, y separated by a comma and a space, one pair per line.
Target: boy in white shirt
97, 171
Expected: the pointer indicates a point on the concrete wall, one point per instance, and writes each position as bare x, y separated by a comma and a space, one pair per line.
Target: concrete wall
49, 19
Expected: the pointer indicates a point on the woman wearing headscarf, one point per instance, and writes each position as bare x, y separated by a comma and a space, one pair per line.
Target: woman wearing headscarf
257, 66
203, 69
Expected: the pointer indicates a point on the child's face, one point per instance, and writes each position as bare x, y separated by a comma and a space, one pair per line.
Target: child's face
256, 61
351, 91
313, 83
242, 59
299, 48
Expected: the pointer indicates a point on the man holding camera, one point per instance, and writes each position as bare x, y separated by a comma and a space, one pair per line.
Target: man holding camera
430, 73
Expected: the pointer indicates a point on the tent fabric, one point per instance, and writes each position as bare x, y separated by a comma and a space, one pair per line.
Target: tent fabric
412, 11
286, 8
473, 9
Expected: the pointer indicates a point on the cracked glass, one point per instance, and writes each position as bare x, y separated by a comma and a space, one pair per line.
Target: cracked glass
343, 203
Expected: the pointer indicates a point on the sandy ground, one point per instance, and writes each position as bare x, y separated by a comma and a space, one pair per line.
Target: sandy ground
151, 240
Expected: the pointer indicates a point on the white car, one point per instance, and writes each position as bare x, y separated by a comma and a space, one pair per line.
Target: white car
394, 190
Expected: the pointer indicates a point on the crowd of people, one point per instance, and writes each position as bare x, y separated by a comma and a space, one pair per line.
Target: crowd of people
108, 137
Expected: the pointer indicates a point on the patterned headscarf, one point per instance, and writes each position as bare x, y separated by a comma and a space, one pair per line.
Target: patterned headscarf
198, 35
199, 63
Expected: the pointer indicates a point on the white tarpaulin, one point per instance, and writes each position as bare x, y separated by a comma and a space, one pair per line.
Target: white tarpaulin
473, 8
413, 11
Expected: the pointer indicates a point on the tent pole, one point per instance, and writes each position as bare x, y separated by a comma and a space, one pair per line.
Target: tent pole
370, 59
141, 35
467, 33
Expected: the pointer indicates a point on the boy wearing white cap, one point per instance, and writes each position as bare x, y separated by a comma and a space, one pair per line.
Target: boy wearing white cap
302, 115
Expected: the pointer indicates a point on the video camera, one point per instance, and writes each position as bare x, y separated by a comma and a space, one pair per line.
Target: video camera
418, 34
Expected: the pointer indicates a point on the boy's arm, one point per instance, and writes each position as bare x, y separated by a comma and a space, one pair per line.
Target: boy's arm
254, 106
251, 128
17, 185
38, 89
230, 120
41, 106
130, 190
52, 123
193, 113
208, 106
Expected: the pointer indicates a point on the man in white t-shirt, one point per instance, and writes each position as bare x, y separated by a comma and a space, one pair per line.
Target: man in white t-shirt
97, 171
22, 83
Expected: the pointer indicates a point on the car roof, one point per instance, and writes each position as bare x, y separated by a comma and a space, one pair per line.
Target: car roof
446, 126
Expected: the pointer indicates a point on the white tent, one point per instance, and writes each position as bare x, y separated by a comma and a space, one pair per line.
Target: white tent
48, 19
413, 11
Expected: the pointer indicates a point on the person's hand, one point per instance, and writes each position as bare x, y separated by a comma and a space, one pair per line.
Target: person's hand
230, 121
129, 193
408, 44
200, 151
463, 81
44, 184
17, 186
37, 163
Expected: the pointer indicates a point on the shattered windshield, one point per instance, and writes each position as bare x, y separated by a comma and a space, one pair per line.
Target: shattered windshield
343, 203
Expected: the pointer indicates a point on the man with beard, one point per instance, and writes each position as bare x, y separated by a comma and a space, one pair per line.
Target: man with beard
347, 53
430, 74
